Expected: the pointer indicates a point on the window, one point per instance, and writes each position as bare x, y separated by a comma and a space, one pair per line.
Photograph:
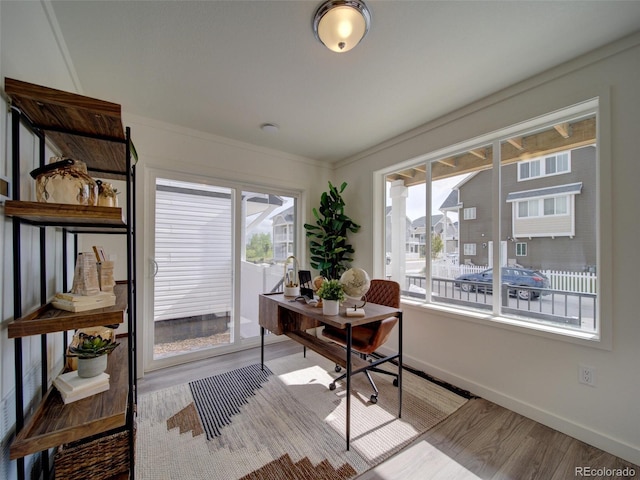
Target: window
555, 213
555, 206
557, 163
550, 206
529, 169
469, 213
545, 166
528, 208
544, 213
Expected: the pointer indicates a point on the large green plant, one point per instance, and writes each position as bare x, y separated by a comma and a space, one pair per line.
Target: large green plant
330, 252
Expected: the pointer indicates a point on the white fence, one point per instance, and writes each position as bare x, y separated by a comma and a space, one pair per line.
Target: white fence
578, 282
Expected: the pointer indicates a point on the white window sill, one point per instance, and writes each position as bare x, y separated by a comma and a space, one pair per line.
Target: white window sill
590, 339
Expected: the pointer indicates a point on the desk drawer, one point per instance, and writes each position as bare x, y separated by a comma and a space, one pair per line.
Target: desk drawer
281, 320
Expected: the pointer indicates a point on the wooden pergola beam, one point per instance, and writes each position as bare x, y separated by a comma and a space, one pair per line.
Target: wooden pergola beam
515, 149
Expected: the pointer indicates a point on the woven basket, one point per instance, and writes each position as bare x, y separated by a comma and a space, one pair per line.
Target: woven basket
97, 459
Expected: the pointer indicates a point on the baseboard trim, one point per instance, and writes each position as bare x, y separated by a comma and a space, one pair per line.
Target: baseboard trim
568, 427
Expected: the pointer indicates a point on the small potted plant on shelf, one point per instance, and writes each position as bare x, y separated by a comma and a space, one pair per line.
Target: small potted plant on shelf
332, 293
91, 352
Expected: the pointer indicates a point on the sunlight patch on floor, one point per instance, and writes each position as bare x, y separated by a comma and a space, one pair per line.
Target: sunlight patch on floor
421, 461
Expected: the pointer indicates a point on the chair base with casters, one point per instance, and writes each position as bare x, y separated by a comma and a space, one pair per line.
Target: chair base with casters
366, 339
374, 396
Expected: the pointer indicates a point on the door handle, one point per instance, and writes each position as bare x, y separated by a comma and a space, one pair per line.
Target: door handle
154, 267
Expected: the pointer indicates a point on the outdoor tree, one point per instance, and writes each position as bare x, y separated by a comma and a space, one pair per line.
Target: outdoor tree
259, 248
437, 245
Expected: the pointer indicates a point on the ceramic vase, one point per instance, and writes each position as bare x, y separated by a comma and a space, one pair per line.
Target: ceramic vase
65, 181
330, 307
107, 195
90, 367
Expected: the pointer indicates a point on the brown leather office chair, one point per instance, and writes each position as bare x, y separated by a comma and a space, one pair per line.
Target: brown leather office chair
366, 339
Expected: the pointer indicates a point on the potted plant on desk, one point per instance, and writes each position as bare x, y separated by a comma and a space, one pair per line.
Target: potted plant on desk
332, 293
91, 351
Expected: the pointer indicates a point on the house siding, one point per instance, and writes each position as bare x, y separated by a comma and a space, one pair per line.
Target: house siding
573, 253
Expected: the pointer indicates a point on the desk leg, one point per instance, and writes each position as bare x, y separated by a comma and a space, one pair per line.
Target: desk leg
261, 348
349, 345
400, 365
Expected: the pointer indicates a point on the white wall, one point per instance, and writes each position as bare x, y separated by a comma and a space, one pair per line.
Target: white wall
531, 374
28, 51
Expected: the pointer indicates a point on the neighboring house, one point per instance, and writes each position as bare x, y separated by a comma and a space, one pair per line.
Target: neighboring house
448, 234
417, 237
547, 219
389, 227
283, 234
451, 204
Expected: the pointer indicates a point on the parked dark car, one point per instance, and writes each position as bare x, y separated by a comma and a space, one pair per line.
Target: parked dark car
521, 277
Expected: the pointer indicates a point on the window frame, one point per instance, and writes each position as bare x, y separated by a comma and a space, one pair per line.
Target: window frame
521, 249
469, 213
540, 207
237, 187
470, 249
600, 106
541, 163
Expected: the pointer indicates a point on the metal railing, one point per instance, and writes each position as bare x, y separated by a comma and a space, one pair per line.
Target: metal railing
582, 282
550, 305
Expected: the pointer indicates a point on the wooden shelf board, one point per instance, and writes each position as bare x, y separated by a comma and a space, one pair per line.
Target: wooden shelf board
55, 423
65, 215
48, 319
55, 110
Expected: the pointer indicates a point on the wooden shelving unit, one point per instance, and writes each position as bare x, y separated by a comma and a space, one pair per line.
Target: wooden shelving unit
55, 423
48, 319
90, 130
81, 127
75, 218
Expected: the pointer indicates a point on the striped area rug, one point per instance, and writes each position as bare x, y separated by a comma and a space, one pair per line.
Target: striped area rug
282, 422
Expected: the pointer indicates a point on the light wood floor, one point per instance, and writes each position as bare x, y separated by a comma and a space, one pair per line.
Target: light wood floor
480, 441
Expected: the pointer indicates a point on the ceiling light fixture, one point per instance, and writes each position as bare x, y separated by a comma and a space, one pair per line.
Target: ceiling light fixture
269, 127
341, 24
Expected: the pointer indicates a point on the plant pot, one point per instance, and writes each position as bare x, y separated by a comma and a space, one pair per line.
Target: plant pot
330, 307
90, 367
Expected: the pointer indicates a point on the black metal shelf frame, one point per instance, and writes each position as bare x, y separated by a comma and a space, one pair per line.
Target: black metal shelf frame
18, 118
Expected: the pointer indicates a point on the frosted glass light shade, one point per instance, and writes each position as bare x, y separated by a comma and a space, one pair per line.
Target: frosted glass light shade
341, 24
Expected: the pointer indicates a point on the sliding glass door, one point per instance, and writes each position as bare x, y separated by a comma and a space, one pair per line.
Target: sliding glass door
215, 249
193, 271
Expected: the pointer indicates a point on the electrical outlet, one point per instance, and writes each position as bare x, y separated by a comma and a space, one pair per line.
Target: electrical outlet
587, 375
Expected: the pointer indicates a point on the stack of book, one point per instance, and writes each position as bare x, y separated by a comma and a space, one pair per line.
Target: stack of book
73, 388
72, 302
105, 276
85, 277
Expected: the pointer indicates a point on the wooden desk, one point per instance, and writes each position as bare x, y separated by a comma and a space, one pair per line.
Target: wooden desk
285, 316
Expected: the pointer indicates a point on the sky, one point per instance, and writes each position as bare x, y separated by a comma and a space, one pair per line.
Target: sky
441, 190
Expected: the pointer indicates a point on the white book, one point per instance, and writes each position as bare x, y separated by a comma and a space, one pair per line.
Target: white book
87, 392
70, 382
80, 303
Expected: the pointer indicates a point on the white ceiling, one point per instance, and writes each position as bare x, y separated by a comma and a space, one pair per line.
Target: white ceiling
226, 67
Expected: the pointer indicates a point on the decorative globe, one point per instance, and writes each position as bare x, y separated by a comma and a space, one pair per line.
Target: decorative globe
356, 282
317, 281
